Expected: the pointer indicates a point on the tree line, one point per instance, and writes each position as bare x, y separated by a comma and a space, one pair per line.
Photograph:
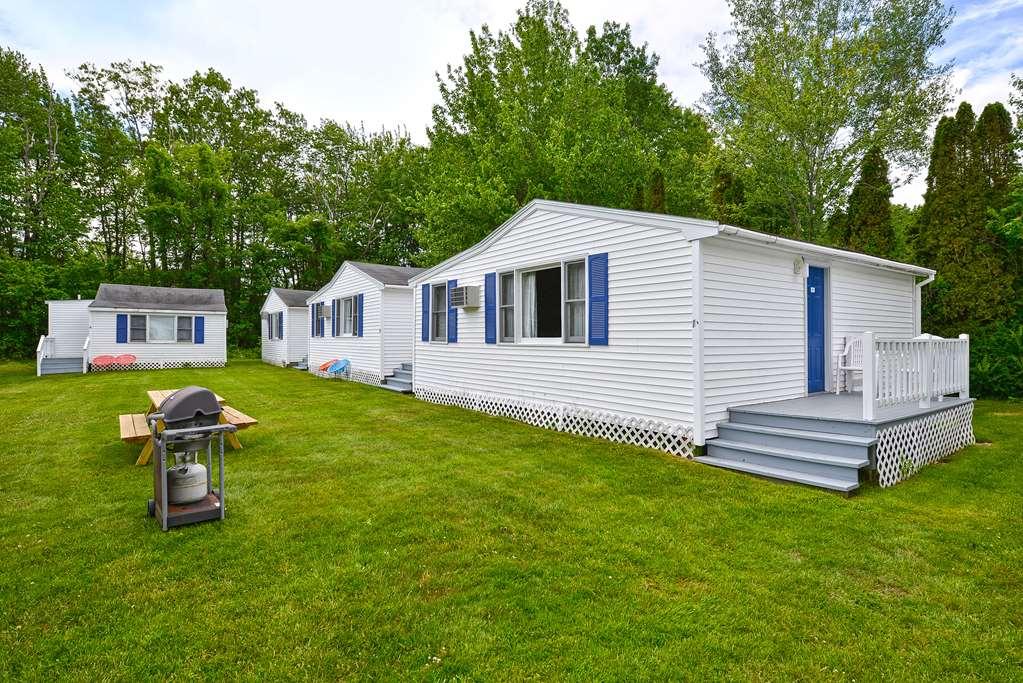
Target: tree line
814, 111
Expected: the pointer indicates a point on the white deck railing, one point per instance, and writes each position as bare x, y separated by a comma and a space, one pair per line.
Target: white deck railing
43, 350
85, 354
921, 369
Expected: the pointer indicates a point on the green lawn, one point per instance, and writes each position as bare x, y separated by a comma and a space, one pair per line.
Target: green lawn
372, 535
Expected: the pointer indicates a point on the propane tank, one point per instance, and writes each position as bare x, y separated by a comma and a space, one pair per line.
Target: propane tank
186, 483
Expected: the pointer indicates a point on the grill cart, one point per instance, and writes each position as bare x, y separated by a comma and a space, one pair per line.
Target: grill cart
183, 490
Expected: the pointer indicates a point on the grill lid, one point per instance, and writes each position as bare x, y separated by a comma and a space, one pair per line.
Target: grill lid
196, 406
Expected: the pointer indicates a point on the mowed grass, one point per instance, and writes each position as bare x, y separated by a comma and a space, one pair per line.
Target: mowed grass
372, 535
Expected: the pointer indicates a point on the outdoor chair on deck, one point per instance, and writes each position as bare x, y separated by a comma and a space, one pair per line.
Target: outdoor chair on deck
850, 361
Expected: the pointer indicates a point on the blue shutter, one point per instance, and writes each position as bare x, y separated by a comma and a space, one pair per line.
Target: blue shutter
490, 307
452, 315
269, 326
312, 320
598, 299
426, 313
359, 332
122, 328
282, 323
199, 329
333, 317
320, 319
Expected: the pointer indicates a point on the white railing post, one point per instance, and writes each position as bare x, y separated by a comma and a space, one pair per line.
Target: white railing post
85, 354
39, 355
927, 370
869, 369
964, 389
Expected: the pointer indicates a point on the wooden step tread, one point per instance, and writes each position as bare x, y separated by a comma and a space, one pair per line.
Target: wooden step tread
784, 475
791, 454
832, 437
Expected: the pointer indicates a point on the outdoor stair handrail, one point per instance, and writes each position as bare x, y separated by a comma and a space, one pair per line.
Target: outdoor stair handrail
921, 369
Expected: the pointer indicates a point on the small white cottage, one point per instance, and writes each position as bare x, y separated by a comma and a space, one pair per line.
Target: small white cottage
285, 326
669, 332
133, 327
364, 316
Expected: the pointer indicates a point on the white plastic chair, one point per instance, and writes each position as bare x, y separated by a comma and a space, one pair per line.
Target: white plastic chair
850, 360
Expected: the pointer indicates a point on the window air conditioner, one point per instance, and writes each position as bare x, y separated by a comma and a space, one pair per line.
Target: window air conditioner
467, 296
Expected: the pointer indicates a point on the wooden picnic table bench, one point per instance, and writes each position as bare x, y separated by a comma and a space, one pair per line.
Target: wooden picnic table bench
135, 427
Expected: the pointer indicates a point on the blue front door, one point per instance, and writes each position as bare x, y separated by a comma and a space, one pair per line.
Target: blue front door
815, 330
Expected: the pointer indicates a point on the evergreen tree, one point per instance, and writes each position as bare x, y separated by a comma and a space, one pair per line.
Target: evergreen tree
996, 154
867, 225
972, 288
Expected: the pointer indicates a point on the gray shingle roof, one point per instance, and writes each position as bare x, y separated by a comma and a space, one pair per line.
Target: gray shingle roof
387, 275
159, 298
293, 297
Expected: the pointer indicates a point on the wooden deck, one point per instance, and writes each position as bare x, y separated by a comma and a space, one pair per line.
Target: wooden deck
845, 407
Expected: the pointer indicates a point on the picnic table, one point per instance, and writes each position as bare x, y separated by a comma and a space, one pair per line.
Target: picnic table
135, 427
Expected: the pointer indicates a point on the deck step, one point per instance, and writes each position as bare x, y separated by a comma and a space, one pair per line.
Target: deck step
762, 418
392, 387
402, 374
781, 474
60, 366
811, 463
829, 443
406, 366
398, 383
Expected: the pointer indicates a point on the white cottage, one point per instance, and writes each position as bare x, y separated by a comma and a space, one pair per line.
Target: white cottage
285, 326
680, 333
364, 316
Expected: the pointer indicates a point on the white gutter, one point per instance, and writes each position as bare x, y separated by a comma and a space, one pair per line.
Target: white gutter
807, 247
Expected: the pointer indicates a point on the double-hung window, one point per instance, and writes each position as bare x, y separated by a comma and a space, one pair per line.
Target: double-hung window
552, 302
575, 302
507, 316
278, 325
439, 313
184, 328
138, 329
349, 316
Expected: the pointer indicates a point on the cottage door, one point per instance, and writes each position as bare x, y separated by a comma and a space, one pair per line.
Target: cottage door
815, 326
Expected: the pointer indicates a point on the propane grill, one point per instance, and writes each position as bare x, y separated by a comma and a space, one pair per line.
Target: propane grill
183, 491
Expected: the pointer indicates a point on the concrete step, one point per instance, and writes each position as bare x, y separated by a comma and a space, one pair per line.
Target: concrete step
839, 468
828, 483
797, 439
809, 424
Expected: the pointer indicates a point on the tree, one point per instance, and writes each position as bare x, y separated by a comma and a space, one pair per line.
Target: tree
803, 89
972, 288
535, 112
868, 220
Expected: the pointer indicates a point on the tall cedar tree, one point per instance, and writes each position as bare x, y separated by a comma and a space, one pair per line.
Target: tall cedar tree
868, 220
972, 288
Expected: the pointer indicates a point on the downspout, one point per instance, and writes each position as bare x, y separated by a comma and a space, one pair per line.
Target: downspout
697, 345
917, 324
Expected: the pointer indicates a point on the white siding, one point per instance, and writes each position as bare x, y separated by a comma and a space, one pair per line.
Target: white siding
398, 327
274, 351
103, 333
295, 345
645, 371
753, 327
865, 299
363, 352
296, 331
68, 327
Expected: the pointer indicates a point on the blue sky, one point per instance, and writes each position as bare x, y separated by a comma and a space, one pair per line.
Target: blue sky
374, 62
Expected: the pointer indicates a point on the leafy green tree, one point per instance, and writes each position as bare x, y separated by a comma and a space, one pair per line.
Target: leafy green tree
867, 223
535, 112
801, 90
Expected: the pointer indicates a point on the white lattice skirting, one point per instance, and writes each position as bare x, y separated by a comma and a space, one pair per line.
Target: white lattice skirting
663, 436
354, 375
904, 448
162, 365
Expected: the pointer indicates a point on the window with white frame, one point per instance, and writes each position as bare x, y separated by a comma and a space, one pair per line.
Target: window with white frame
278, 325
184, 328
162, 329
349, 316
507, 315
575, 302
439, 313
553, 302
138, 329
